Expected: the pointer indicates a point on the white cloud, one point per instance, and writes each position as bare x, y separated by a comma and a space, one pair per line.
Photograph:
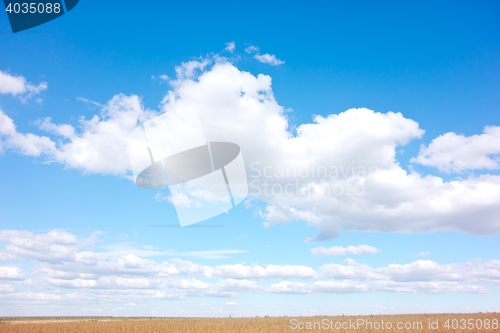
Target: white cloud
90, 277
188, 70
193, 197
339, 287
269, 272
421, 254
121, 249
232, 304
323, 287
87, 101
164, 77
251, 49
18, 85
100, 146
230, 46
269, 59
26, 144
7, 127
487, 272
239, 285
338, 172
6, 288
54, 246
12, 273
480, 272
337, 251
358, 149
180, 200
12, 84
66, 131
456, 153
353, 271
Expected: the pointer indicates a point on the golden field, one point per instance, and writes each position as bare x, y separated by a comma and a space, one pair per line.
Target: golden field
258, 324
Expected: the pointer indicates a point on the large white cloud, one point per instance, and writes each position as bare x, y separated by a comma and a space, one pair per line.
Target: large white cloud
339, 172
452, 152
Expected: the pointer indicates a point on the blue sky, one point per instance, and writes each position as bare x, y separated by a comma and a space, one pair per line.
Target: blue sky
78, 237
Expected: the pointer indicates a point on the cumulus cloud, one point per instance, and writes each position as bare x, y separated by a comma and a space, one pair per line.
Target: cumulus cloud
230, 46
337, 251
451, 152
268, 59
339, 172
421, 254
19, 86
99, 145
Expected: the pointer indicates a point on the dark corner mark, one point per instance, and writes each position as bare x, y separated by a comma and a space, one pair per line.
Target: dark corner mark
24, 14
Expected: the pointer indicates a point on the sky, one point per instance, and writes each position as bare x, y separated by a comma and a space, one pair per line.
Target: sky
381, 119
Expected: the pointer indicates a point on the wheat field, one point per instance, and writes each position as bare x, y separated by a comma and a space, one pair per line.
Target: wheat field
258, 324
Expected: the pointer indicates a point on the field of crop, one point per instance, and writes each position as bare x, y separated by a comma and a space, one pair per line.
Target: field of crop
480, 322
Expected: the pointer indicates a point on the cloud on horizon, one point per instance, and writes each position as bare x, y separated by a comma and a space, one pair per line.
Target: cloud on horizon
59, 268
